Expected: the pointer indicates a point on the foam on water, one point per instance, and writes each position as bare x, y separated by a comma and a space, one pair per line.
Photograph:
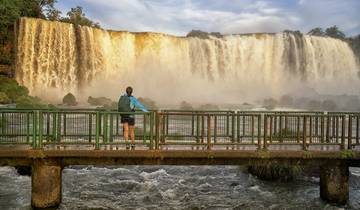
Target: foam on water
172, 187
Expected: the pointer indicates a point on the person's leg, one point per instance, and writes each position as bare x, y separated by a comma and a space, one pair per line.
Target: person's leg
126, 132
132, 131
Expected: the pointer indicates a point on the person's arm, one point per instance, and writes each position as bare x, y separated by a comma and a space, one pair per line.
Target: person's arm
138, 104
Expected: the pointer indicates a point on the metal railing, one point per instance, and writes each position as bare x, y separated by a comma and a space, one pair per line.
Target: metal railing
172, 129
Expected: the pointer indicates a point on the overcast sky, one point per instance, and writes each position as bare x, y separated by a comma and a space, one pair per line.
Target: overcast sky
178, 17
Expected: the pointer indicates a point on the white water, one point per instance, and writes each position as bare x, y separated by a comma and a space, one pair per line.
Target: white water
54, 58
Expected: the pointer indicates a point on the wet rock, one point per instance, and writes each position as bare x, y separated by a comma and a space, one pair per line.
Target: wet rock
23, 170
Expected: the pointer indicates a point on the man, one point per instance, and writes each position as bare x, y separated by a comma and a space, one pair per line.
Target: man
127, 103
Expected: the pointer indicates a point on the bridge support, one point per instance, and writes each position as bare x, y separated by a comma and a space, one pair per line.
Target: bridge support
45, 183
334, 183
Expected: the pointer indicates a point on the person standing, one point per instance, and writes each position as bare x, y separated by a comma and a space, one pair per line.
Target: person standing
128, 103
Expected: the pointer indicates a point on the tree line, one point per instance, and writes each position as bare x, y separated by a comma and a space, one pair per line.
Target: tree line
11, 10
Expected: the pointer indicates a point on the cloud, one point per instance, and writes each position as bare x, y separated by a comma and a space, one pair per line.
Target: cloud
236, 16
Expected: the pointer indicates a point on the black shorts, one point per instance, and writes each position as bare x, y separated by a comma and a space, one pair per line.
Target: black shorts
128, 119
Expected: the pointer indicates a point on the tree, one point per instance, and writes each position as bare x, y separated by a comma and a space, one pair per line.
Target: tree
77, 17
185, 106
69, 100
316, 32
53, 15
335, 32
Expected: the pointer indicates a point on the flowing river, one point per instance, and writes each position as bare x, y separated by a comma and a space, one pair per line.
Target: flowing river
173, 187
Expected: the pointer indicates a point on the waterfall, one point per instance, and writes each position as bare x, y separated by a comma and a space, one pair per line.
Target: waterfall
56, 58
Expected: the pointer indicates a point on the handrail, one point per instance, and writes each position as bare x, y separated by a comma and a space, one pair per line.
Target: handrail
159, 129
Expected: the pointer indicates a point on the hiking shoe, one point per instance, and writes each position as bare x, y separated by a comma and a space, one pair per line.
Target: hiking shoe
127, 146
132, 146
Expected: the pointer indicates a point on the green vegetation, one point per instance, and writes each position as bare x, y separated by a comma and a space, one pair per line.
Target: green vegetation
12, 92
4, 99
11, 10
272, 171
285, 133
69, 100
75, 16
270, 103
100, 101
332, 31
185, 106
347, 154
208, 107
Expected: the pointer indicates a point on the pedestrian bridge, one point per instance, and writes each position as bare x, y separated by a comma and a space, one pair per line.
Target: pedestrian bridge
48, 140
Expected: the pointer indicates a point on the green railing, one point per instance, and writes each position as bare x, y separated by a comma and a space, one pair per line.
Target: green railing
169, 129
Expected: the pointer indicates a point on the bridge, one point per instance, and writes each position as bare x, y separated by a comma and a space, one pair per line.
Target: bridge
49, 140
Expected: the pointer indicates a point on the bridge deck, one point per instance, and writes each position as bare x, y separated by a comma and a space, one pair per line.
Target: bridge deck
178, 157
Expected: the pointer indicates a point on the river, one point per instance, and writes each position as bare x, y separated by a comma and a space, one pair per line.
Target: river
173, 187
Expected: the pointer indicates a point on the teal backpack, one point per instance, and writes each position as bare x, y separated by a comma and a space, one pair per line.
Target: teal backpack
124, 104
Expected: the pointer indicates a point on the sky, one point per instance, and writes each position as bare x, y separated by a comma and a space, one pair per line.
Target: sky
178, 17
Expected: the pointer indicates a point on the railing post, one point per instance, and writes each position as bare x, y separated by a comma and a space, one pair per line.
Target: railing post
227, 124
144, 135
64, 114
349, 131
357, 129
35, 124
271, 128
304, 133
238, 127
90, 127
209, 132
259, 132
157, 129
97, 132
252, 129
310, 129
58, 127
265, 132
111, 127
202, 128
27, 127
232, 127
163, 127
342, 132
105, 129
215, 128
151, 146
41, 122
197, 128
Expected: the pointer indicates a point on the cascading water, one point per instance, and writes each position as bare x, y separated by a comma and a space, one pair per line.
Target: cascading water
60, 57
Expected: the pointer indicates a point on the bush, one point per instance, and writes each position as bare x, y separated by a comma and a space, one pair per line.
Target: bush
270, 103
12, 89
185, 106
208, 107
69, 100
100, 101
29, 102
4, 99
